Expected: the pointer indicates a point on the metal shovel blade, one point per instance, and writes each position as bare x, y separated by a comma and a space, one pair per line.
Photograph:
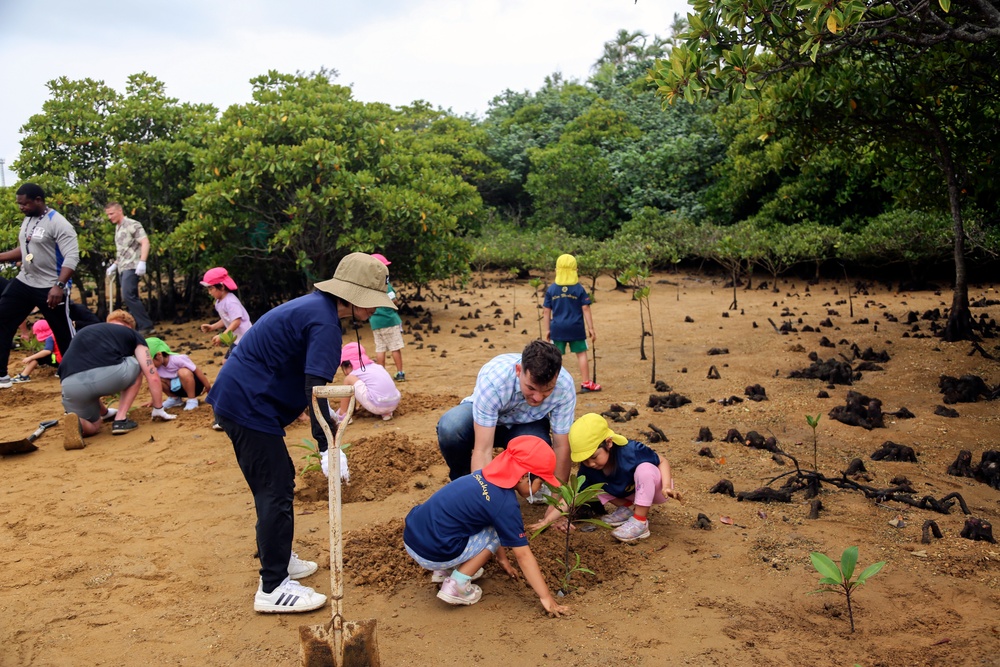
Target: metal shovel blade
26, 445
360, 645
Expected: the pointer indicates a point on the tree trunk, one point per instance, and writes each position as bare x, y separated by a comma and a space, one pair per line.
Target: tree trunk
959, 325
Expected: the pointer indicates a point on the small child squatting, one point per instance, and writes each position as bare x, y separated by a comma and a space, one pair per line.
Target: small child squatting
632, 473
461, 526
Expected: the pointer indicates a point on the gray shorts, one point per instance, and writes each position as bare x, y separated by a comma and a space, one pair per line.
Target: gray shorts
82, 392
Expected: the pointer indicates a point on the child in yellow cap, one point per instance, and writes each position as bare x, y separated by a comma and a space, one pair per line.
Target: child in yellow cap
632, 474
461, 526
568, 321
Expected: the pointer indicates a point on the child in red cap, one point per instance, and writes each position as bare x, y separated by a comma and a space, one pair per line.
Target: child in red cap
475, 516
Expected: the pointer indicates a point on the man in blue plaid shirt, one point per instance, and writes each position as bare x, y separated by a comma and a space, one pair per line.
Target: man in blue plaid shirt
515, 394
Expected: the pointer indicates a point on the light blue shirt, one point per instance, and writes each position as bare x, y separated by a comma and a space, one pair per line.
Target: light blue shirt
497, 397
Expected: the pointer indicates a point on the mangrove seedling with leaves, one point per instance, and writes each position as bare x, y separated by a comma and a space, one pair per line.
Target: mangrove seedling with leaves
837, 578
570, 499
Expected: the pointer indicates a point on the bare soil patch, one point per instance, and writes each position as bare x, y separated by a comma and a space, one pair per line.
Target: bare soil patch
140, 548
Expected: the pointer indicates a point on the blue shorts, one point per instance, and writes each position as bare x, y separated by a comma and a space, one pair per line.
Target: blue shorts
487, 538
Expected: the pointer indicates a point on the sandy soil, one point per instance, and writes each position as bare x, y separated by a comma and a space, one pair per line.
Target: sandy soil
139, 549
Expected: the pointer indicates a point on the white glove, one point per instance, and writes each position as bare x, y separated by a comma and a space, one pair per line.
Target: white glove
325, 464
160, 413
111, 269
140, 268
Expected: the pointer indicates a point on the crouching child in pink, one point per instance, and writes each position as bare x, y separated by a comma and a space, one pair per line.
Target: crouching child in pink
182, 381
632, 474
461, 526
374, 389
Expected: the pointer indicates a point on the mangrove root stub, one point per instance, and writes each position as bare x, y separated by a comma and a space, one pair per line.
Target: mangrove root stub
930, 526
814, 508
723, 486
978, 529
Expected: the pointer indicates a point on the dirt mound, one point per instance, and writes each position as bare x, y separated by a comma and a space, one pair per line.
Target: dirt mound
380, 465
375, 557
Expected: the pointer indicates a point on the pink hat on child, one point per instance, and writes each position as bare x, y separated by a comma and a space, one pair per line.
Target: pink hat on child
351, 353
218, 276
381, 258
41, 330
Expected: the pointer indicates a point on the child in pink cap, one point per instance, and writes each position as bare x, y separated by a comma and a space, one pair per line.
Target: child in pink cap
234, 321
459, 528
49, 355
374, 389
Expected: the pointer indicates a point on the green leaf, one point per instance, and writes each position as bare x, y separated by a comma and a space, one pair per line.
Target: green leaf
945, 5
826, 567
847, 562
869, 571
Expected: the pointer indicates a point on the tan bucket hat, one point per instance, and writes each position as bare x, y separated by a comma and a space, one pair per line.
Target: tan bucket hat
360, 280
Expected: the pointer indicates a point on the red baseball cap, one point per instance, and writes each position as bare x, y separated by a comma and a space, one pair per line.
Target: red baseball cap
525, 453
381, 258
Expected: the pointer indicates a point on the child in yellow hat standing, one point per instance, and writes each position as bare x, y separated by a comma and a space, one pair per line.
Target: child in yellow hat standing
568, 321
632, 474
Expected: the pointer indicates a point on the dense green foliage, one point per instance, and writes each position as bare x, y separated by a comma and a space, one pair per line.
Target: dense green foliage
825, 145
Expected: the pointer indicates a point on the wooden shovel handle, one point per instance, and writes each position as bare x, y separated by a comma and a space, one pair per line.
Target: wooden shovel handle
336, 534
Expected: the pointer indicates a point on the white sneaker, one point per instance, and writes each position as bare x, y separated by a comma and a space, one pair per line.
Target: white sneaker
438, 576
300, 569
110, 416
191, 404
288, 598
173, 402
6, 382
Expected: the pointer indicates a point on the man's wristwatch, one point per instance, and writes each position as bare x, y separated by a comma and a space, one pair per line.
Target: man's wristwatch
60, 284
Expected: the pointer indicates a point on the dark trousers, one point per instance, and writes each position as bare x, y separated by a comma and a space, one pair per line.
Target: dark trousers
130, 295
270, 474
16, 303
457, 437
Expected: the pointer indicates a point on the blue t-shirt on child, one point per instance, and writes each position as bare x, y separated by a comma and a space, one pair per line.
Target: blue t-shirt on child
262, 385
621, 482
567, 302
439, 529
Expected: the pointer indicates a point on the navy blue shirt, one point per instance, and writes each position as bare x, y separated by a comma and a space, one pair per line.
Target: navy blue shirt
439, 529
621, 482
262, 384
567, 302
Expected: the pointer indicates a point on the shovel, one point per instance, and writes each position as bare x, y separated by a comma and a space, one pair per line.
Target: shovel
110, 286
26, 445
339, 643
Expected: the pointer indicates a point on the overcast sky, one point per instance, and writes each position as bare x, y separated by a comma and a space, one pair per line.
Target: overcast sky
454, 54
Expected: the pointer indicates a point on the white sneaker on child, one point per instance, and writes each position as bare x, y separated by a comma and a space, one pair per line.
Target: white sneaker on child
173, 402
191, 404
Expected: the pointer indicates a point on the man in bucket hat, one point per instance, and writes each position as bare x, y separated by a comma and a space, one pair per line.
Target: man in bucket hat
458, 529
264, 386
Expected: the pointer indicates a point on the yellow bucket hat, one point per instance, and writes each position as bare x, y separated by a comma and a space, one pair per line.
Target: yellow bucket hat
566, 270
586, 435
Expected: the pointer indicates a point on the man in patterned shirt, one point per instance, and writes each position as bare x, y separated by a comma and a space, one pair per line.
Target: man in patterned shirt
132, 246
515, 394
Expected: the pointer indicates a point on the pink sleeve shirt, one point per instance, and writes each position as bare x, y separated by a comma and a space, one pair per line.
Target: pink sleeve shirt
229, 309
175, 362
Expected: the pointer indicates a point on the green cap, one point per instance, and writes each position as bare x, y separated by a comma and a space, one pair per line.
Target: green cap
156, 346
